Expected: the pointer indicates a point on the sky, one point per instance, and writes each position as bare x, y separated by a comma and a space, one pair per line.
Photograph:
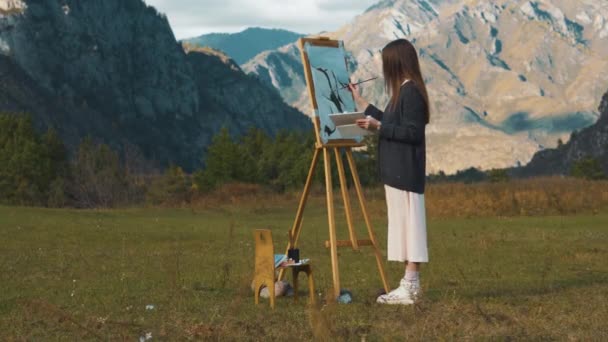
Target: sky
191, 18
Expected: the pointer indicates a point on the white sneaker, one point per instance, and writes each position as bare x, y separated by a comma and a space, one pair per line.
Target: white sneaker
406, 294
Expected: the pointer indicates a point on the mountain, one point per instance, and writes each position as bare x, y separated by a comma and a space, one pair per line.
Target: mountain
506, 78
245, 45
112, 69
236, 100
282, 69
589, 142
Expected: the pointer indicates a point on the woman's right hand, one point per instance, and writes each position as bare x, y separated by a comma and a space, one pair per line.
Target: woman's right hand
369, 123
359, 101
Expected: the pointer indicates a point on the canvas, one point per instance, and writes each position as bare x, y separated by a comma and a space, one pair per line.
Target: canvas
330, 76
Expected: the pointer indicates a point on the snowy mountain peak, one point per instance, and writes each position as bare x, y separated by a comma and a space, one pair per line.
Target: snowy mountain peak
600, 24
12, 6
547, 12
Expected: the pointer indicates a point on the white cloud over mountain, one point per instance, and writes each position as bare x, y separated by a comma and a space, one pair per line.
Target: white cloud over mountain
191, 18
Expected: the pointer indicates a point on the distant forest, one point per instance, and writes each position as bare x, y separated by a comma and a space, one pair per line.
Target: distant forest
36, 169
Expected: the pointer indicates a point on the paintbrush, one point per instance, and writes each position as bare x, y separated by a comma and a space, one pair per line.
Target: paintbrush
346, 86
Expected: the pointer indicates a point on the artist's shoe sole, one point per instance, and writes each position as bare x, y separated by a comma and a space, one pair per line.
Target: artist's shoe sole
395, 301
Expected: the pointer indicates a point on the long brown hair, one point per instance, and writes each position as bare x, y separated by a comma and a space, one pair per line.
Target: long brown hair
400, 62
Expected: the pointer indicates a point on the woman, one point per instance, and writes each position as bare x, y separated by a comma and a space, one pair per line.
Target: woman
402, 159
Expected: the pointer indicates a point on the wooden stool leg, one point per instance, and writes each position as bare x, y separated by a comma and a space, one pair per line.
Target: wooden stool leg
294, 271
271, 291
256, 288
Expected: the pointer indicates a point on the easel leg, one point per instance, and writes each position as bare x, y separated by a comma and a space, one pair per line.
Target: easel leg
332, 224
311, 286
370, 230
347, 209
297, 224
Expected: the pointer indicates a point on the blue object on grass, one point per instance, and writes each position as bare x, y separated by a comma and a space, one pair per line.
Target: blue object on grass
345, 297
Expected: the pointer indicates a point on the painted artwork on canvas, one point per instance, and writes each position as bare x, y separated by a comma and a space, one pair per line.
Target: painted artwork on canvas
330, 77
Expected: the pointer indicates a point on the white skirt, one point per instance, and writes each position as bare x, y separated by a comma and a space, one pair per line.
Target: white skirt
406, 226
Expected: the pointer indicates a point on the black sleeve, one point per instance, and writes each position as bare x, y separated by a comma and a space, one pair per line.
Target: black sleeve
374, 112
412, 119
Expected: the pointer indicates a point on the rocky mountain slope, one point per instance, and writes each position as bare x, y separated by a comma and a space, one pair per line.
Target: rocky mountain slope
589, 142
235, 100
506, 78
112, 69
243, 46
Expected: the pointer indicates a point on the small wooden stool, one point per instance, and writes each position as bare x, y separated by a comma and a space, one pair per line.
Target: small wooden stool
265, 272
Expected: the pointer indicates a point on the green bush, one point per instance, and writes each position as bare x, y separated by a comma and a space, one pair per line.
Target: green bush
98, 178
173, 187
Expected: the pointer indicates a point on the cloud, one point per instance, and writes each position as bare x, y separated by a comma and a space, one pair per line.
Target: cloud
190, 18
345, 5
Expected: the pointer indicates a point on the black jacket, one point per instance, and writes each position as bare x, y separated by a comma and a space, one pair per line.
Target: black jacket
401, 146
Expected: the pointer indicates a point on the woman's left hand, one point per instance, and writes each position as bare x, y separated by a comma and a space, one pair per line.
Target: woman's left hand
369, 123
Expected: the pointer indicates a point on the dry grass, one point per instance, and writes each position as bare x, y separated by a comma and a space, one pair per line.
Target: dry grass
541, 196
530, 197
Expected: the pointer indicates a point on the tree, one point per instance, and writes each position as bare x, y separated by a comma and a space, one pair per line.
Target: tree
281, 162
587, 168
58, 169
438, 177
470, 175
498, 175
31, 165
292, 156
224, 162
252, 146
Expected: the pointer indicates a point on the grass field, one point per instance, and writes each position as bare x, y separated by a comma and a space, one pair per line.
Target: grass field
89, 275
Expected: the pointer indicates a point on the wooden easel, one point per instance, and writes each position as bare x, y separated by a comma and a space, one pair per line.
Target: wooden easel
327, 149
